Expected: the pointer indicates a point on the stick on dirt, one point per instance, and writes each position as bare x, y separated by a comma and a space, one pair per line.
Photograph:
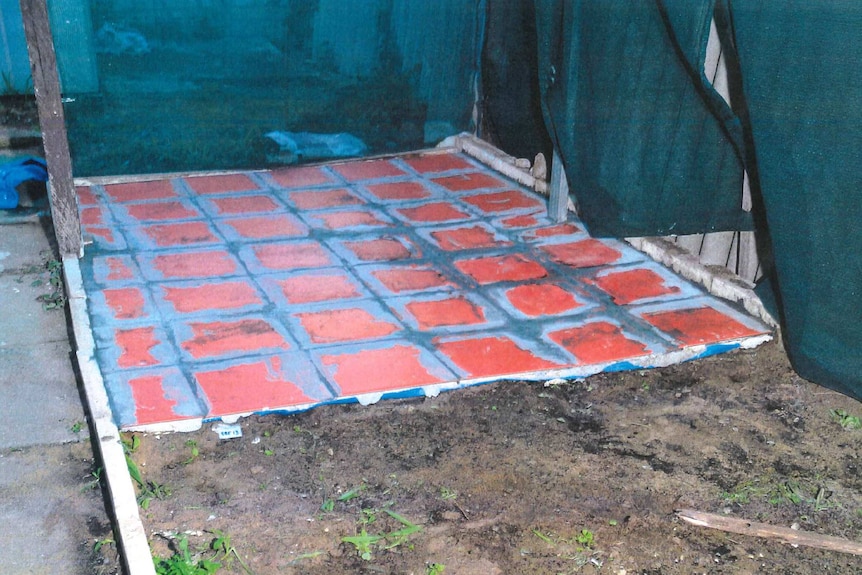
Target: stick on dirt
754, 529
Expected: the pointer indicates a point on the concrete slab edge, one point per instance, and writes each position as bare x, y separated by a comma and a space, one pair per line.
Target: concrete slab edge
496, 159
717, 280
133, 546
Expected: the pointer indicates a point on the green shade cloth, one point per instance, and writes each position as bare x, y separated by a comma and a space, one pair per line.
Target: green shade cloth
799, 67
644, 150
650, 149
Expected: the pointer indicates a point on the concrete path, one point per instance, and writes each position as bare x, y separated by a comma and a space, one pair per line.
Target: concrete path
51, 510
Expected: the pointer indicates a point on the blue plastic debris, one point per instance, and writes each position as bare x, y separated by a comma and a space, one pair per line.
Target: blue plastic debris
294, 147
14, 174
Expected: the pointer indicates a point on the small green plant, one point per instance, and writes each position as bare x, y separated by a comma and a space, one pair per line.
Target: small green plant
56, 298
846, 420
96, 475
97, 546
183, 563
365, 542
448, 494
221, 544
585, 538
147, 490
328, 505
435, 569
193, 451
77, 427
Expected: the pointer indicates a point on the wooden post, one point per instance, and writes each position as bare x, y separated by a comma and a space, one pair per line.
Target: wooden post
46, 85
558, 202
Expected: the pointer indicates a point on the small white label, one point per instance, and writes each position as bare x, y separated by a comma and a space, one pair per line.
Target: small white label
228, 430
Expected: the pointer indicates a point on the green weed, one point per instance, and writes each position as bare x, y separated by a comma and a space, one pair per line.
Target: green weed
365, 543
435, 569
77, 427
448, 494
96, 475
194, 451
183, 563
56, 298
846, 420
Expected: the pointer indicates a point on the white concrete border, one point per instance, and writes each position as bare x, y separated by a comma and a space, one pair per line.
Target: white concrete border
133, 546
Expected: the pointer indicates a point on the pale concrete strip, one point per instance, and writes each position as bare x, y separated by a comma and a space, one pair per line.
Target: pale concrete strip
134, 549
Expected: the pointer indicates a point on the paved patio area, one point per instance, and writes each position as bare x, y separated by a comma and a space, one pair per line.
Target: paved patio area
216, 296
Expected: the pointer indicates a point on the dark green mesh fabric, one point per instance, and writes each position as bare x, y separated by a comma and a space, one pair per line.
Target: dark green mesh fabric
650, 149
804, 96
643, 150
168, 86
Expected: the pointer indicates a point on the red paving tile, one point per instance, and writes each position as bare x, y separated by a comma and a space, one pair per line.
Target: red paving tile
506, 201
118, 270
212, 339
245, 205
260, 228
209, 263
513, 267
151, 403
135, 346
399, 191
466, 238
566, 229
213, 296
632, 285
349, 219
136, 191
221, 184
379, 250
583, 254
538, 300
434, 212
125, 303
92, 217
314, 327
292, 256
321, 199
466, 182
184, 234
492, 356
699, 326
249, 387
86, 197
412, 278
446, 312
378, 370
432, 163
103, 235
598, 342
301, 177
159, 211
342, 325
524, 221
367, 170
312, 288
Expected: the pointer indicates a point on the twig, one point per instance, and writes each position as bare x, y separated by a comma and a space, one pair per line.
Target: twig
754, 529
461, 509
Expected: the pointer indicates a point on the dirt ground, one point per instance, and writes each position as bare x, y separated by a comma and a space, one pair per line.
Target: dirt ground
529, 478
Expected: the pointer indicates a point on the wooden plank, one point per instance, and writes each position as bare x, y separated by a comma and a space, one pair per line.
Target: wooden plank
46, 85
559, 191
755, 529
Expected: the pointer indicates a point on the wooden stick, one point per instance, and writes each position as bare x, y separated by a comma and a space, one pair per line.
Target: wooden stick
46, 85
754, 529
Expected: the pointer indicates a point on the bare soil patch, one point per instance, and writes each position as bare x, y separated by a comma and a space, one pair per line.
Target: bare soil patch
528, 478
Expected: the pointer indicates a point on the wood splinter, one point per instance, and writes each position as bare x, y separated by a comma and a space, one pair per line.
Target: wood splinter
755, 529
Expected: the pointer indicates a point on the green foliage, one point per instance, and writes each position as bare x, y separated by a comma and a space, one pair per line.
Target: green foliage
435, 569
56, 298
365, 542
193, 451
846, 420
182, 562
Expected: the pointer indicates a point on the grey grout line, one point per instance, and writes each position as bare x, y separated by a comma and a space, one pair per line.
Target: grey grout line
134, 548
